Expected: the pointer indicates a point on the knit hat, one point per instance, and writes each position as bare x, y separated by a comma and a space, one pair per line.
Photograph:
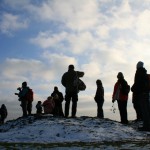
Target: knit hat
140, 64
120, 75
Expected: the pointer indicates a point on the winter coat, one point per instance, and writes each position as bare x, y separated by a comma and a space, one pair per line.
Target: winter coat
141, 82
3, 112
118, 91
22, 94
68, 80
60, 98
48, 106
99, 96
39, 108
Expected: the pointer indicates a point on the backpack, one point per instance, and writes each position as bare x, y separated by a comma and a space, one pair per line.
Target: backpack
79, 83
126, 89
29, 95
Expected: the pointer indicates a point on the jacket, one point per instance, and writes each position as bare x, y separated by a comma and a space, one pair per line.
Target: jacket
99, 96
117, 93
141, 82
48, 106
68, 80
60, 96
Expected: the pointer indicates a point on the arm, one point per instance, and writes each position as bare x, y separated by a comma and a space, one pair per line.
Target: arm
80, 74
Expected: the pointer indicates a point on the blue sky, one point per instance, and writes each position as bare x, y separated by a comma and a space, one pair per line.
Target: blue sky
39, 39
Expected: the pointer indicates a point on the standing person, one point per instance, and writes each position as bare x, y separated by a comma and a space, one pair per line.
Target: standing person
49, 105
71, 90
141, 89
3, 113
58, 98
120, 94
22, 97
99, 98
26, 97
39, 107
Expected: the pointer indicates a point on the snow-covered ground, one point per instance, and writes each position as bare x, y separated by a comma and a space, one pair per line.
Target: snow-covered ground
49, 130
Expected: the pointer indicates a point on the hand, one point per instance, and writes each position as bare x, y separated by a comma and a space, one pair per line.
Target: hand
113, 100
19, 88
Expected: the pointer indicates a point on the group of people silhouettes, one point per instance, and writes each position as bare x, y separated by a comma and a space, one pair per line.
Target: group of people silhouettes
53, 104
140, 96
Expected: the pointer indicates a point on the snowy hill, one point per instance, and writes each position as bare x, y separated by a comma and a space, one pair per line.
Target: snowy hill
48, 129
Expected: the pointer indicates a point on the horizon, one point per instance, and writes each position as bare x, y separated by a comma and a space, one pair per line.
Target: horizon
40, 39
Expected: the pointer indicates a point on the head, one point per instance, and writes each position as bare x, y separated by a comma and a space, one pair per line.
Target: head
3, 106
24, 84
39, 102
120, 75
55, 88
140, 64
50, 98
99, 82
71, 67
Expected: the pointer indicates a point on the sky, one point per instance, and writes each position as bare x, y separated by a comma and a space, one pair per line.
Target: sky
39, 39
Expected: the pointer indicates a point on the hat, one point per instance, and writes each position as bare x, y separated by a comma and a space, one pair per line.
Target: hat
120, 75
71, 67
140, 64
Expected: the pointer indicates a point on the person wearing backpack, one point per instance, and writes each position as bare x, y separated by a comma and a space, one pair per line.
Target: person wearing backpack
3, 113
99, 98
23, 98
121, 96
58, 99
71, 90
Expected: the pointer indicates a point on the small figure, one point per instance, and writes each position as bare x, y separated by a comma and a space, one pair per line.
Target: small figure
58, 99
99, 99
26, 97
39, 108
3, 113
49, 105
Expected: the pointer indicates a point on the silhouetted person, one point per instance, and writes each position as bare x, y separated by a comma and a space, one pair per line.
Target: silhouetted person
49, 105
39, 108
3, 113
71, 90
136, 89
58, 99
22, 97
99, 98
141, 89
121, 97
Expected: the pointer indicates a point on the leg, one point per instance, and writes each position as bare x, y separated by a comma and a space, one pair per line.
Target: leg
123, 111
24, 107
74, 104
100, 112
67, 104
61, 110
29, 107
146, 111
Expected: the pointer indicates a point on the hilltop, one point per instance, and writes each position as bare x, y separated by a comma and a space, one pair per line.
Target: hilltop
49, 130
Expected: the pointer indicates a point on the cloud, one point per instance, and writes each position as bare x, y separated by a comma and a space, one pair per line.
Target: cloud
18, 69
47, 39
76, 15
142, 23
10, 23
